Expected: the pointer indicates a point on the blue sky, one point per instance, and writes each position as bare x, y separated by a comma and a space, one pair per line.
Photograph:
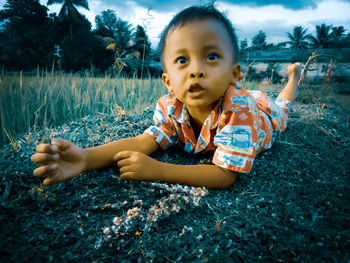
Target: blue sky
272, 16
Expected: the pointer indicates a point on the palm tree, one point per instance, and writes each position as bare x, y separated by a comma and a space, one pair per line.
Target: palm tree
69, 11
338, 36
121, 44
298, 38
123, 35
323, 37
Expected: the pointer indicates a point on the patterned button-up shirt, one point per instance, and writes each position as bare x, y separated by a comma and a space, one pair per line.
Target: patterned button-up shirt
242, 124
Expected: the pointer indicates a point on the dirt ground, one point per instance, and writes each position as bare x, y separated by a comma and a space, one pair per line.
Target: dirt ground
292, 207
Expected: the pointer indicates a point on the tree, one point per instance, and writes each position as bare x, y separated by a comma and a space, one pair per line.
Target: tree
121, 42
259, 40
123, 35
244, 44
106, 23
323, 37
142, 43
84, 52
69, 12
131, 49
299, 38
79, 47
109, 25
338, 36
142, 46
25, 40
346, 41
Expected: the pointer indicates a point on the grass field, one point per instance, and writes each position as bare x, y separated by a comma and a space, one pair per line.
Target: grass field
50, 99
46, 99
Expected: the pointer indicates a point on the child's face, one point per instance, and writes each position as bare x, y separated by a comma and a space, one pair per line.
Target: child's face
198, 60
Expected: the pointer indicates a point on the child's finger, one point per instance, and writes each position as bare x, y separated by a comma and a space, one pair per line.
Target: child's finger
45, 171
122, 155
61, 144
123, 162
46, 148
128, 176
125, 169
44, 158
51, 180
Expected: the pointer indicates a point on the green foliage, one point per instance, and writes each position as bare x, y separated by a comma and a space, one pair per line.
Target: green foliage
79, 47
299, 38
24, 42
131, 48
338, 37
106, 23
123, 36
259, 40
29, 37
142, 43
69, 3
70, 14
243, 44
84, 52
323, 37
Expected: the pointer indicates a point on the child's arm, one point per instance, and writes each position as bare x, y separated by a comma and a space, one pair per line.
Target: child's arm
102, 156
64, 160
131, 156
138, 166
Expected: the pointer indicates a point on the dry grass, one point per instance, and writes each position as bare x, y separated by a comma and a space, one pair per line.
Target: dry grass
47, 100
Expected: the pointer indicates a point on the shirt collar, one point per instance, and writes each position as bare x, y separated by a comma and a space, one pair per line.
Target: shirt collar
178, 110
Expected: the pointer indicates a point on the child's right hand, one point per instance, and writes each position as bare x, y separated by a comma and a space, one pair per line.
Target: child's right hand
59, 161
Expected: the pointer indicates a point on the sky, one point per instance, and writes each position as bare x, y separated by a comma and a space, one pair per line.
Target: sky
275, 18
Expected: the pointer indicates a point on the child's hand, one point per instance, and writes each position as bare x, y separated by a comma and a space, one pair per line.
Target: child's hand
137, 166
59, 161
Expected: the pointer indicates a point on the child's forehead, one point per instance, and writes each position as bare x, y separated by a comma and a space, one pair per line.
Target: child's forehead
210, 24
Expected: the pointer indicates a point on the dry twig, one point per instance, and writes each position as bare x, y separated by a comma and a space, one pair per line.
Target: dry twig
305, 68
325, 132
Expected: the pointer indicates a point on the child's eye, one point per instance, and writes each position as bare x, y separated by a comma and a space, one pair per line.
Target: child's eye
181, 60
212, 57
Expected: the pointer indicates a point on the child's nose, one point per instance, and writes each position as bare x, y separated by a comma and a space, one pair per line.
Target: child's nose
196, 69
196, 75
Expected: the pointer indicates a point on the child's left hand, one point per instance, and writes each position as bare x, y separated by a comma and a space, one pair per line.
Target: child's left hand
137, 166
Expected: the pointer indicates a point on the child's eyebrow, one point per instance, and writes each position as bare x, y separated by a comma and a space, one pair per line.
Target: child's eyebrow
211, 46
205, 48
179, 51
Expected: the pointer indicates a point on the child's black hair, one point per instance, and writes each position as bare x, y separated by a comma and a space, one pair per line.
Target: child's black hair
195, 13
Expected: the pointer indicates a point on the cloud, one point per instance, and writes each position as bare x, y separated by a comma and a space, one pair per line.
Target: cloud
277, 20
170, 5
296, 4
276, 31
274, 17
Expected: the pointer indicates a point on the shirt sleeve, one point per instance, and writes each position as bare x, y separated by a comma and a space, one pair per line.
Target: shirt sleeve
236, 141
163, 131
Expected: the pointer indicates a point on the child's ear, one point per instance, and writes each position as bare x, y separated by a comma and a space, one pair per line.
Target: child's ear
166, 82
236, 72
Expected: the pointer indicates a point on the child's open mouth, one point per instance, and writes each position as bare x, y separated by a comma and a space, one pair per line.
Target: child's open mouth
196, 90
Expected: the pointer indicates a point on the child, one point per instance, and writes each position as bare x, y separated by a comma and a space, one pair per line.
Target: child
203, 111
